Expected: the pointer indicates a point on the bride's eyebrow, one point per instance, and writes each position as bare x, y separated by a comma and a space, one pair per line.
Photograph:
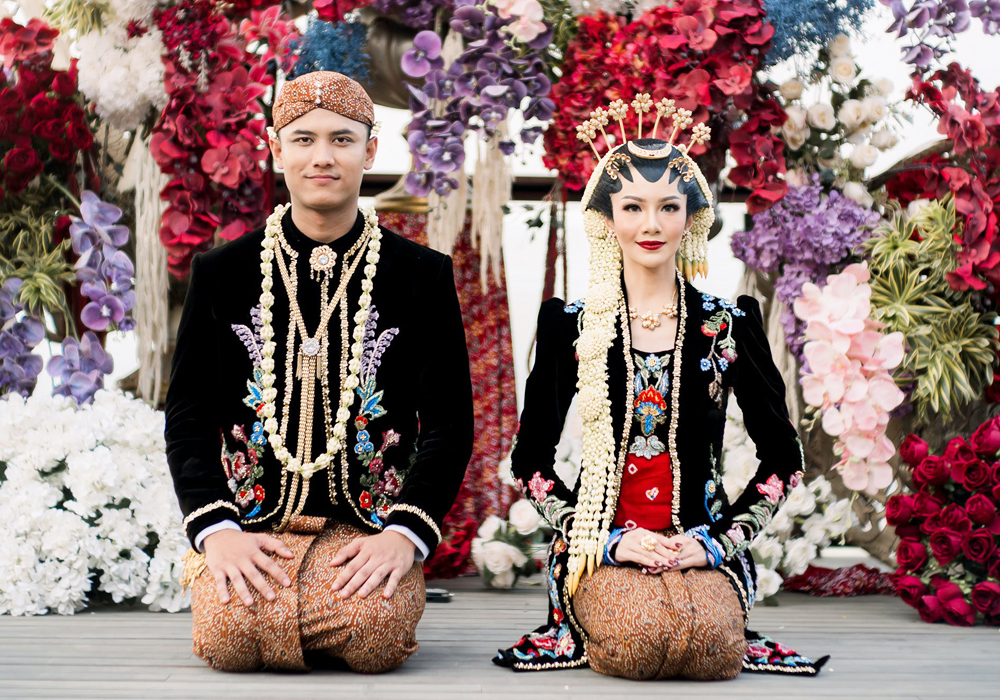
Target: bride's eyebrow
668, 198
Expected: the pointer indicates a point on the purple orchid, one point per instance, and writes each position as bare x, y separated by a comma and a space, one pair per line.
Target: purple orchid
425, 55
19, 366
419, 182
81, 368
105, 271
448, 157
942, 20
468, 21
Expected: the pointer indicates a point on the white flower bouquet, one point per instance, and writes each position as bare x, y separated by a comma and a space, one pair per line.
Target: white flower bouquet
810, 519
87, 507
504, 549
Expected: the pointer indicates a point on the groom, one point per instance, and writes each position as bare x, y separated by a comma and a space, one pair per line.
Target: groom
319, 418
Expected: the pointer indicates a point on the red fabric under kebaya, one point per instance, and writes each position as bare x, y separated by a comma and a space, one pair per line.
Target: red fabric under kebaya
646, 492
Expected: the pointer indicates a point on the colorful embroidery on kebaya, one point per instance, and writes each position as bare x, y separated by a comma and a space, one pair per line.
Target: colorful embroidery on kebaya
382, 483
243, 468
651, 383
719, 327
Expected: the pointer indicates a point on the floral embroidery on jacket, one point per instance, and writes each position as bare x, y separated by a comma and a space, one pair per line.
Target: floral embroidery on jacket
254, 343
243, 467
651, 383
746, 525
382, 483
719, 327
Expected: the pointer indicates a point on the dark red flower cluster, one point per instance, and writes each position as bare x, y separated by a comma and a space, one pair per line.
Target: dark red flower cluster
210, 136
703, 54
948, 555
42, 125
970, 169
334, 10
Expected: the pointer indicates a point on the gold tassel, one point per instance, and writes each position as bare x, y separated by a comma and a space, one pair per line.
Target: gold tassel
194, 564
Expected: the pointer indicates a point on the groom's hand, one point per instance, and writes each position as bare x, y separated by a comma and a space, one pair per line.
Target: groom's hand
372, 560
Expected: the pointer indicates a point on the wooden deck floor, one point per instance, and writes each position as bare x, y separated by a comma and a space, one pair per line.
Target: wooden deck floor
880, 649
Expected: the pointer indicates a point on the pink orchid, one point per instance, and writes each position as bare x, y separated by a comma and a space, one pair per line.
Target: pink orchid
849, 360
529, 22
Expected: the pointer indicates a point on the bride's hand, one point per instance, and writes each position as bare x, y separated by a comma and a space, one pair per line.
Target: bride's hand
652, 560
690, 553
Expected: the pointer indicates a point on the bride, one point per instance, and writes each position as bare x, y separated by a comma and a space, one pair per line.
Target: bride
649, 574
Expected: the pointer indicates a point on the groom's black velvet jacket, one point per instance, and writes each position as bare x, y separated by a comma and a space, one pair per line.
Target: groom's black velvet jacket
410, 433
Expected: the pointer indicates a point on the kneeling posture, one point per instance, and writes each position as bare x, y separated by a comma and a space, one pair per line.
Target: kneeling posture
306, 353
649, 574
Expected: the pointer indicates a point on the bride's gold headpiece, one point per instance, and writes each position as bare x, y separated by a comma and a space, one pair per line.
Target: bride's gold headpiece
693, 253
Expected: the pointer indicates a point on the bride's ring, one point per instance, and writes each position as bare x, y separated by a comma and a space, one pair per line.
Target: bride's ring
648, 543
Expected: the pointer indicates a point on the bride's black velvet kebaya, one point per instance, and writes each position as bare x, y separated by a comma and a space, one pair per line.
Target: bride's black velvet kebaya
724, 350
410, 432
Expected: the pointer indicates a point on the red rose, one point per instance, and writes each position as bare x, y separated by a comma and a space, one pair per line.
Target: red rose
979, 546
986, 597
952, 517
995, 474
79, 136
61, 150
8, 125
944, 589
980, 509
959, 613
910, 589
959, 450
931, 471
929, 608
11, 101
973, 475
899, 509
23, 162
993, 568
64, 85
43, 107
911, 554
986, 439
945, 545
913, 450
926, 504
48, 130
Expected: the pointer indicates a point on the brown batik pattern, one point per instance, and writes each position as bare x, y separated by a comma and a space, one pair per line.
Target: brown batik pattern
679, 624
371, 635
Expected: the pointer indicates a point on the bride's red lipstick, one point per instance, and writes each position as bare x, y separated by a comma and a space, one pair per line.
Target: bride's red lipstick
651, 245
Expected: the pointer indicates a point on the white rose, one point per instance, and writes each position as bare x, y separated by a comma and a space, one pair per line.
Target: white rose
795, 139
504, 472
843, 70
791, 89
798, 554
851, 114
799, 502
524, 518
814, 530
859, 193
768, 583
914, 207
780, 525
884, 86
839, 517
860, 136
796, 119
839, 45
500, 556
767, 552
875, 108
488, 530
884, 139
821, 488
795, 177
863, 156
478, 556
503, 579
822, 117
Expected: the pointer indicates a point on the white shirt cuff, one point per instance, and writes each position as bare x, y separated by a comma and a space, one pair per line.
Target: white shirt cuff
211, 529
422, 550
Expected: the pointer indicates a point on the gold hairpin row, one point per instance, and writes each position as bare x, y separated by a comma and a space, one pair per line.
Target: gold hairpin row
641, 105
